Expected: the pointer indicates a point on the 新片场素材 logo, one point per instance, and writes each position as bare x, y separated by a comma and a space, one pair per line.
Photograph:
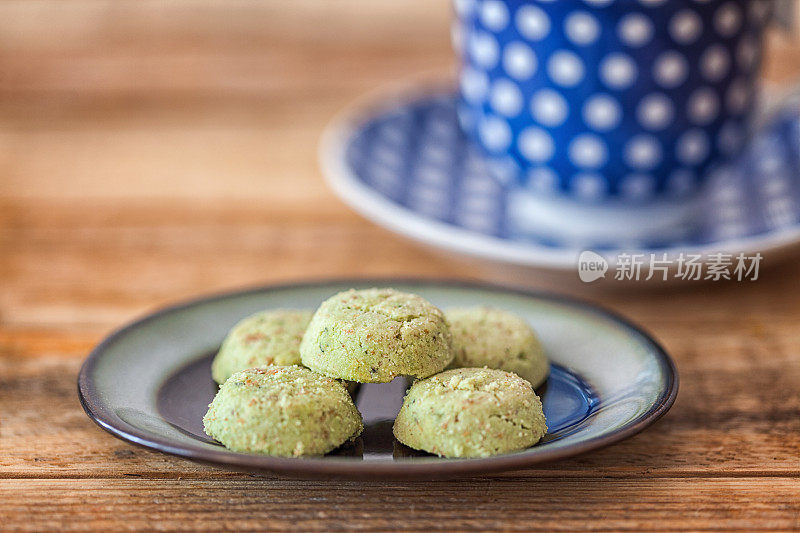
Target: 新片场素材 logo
663, 266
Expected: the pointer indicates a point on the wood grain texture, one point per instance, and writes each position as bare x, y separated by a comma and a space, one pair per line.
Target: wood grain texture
151, 151
494, 503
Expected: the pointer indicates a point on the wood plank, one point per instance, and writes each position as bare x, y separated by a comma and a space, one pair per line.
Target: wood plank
49, 256
241, 45
547, 503
51, 248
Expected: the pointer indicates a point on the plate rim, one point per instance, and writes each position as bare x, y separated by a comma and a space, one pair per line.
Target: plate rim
399, 219
92, 404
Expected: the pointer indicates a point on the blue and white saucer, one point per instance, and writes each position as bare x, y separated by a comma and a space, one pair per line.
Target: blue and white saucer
402, 161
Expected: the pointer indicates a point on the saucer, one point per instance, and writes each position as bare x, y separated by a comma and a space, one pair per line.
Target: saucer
402, 161
150, 382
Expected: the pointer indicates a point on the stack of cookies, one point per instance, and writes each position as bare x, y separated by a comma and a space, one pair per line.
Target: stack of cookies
284, 373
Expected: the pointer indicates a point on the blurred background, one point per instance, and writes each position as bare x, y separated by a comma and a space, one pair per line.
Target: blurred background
152, 150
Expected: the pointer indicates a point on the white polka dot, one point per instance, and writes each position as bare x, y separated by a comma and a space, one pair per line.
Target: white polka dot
588, 151
581, 28
685, 26
618, 71
565, 68
693, 147
766, 144
474, 162
495, 134
477, 204
506, 98
386, 178
638, 186
477, 185
503, 169
747, 53
474, 85
759, 10
476, 222
484, 49
440, 126
703, 106
738, 96
643, 152
635, 30
494, 15
394, 134
542, 179
655, 111
464, 8
435, 153
549, 108
728, 19
536, 145
715, 62
432, 176
778, 187
598, 3
681, 182
532, 22
670, 69
770, 163
601, 112
519, 60
589, 186
725, 187
388, 155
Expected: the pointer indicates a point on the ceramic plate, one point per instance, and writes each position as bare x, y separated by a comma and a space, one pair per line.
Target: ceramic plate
401, 160
150, 382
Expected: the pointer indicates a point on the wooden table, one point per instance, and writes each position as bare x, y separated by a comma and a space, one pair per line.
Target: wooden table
152, 151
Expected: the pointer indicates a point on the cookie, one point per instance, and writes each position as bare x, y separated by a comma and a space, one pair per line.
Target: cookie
265, 338
375, 335
484, 336
282, 410
470, 412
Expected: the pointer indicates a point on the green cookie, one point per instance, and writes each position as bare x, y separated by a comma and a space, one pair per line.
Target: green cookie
282, 410
265, 338
484, 336
375, 335
470, 412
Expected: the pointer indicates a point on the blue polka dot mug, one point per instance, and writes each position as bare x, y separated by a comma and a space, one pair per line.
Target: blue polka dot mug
601, 105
